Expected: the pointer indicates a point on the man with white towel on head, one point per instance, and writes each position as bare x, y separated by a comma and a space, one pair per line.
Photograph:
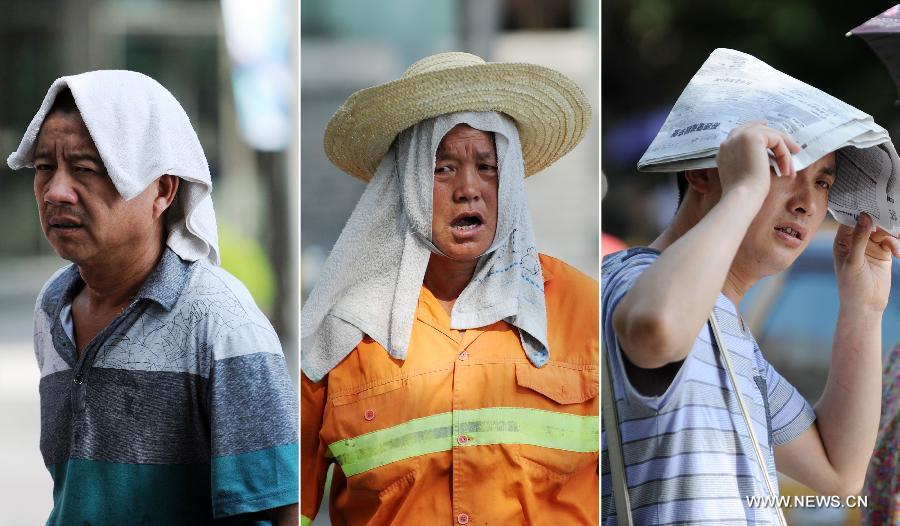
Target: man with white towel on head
449, 369
165, 397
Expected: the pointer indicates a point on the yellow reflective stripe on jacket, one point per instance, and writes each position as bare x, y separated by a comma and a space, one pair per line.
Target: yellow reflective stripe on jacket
482, 427
305, 521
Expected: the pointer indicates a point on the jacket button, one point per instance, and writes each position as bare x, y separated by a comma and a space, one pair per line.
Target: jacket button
462, 439
78, 379
463, 356
369, 414
462, 518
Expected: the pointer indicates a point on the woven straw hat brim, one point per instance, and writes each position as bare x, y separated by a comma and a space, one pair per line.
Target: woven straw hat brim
551, 112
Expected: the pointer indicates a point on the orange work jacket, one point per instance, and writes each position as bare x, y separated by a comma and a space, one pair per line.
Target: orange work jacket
465, 430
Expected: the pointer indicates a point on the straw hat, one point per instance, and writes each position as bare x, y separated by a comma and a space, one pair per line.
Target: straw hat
551, 111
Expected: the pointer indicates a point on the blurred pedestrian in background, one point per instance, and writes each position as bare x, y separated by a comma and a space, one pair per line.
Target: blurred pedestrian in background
883, 479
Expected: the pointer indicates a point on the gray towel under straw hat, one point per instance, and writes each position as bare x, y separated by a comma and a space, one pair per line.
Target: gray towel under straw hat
389, 134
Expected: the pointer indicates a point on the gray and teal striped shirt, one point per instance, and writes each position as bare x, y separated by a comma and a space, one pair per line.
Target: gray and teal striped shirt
688, 455
181, 411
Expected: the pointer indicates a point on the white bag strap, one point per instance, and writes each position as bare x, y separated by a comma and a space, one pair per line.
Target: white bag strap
720, 344
614, 447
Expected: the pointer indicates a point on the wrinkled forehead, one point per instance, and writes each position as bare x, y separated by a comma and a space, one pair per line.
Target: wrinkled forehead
63, 129
498, 126
465, 132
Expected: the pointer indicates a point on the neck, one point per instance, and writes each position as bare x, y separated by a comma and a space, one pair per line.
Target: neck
446, 278
737, 284
113, 282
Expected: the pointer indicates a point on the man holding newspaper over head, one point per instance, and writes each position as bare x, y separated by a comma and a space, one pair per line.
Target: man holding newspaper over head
702, 420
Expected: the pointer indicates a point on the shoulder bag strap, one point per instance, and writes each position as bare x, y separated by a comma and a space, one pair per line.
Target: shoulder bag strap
720, 344
614, 447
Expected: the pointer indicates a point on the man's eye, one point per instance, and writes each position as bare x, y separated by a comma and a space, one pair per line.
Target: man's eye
83, 169
488, 167
42, 167
824, 184
441, 169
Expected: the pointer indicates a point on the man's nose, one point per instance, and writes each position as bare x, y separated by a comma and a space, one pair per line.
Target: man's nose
59, 188
467, 188
803, 200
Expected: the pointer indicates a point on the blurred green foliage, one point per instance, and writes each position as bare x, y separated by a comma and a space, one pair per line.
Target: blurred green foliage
245, 258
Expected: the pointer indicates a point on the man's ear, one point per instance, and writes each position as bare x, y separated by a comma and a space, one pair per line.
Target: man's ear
166, 189
702, 181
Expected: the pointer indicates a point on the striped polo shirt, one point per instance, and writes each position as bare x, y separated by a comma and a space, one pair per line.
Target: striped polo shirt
180, 411
688, 454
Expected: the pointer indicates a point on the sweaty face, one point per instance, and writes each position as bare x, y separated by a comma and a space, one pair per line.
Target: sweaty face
464, 216
789, 217
82, 214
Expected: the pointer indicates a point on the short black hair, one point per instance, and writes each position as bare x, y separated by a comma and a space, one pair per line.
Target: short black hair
64, 102
682, 182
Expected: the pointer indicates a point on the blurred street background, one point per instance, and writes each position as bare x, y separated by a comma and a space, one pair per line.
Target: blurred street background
347, 45
650, 50
231, 64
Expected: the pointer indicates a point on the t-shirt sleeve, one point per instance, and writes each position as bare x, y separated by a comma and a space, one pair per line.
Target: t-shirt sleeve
619, 273
253, 423
791, 413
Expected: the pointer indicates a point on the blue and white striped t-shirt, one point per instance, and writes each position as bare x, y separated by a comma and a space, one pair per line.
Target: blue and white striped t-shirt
688, 455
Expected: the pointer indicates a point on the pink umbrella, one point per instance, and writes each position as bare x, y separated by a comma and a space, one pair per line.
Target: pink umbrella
882, 33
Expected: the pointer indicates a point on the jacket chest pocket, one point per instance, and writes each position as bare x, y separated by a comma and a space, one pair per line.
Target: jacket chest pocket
562, 427
371, 439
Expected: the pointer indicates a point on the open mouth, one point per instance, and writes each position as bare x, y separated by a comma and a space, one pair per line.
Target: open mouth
467, 221
790, 231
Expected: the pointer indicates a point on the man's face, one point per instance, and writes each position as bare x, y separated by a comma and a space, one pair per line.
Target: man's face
789, 217
464, 217
82, 214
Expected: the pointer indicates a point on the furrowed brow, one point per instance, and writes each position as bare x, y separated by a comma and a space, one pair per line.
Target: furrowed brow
444, 155
487, 155
43, 153
85, 156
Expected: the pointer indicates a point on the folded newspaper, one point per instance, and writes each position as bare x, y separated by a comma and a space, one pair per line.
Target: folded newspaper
733, 88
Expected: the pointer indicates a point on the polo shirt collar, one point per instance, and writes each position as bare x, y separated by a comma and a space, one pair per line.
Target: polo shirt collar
167, 281
164, 285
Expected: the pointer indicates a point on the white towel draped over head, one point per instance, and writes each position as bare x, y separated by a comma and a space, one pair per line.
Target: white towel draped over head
141, 133
371, 281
